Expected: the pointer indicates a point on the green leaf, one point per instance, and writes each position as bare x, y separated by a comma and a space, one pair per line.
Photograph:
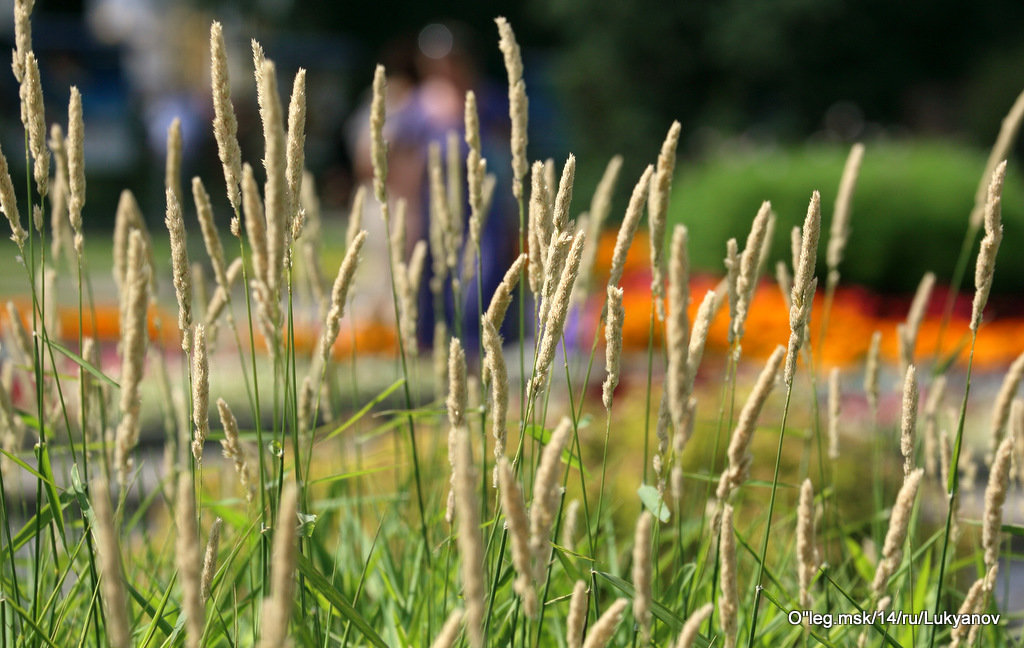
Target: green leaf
543, 435
323, 586
83, 363
659, 610
32, 624
43, 454
860, 561
653, 502
366, 408
148, 608
350, 475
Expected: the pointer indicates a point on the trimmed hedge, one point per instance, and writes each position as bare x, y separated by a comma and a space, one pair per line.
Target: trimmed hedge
910, 209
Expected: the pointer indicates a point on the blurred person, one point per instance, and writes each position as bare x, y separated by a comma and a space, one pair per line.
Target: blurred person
426, 101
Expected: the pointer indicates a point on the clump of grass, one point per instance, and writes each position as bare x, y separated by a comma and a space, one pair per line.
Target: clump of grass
320, 533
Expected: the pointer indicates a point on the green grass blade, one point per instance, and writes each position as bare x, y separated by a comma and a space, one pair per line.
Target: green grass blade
322, 586
83, 363
364, 409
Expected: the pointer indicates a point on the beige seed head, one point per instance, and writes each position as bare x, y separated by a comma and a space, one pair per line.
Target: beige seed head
808, 254
258, 56
495, 360
276, 192
76, 161
899, 522
509, 50
973, 602
22, 36
306, 417
931, 425
806, 552
34, 119
115, 601
277, 608
679, 439
295, 158
339, 295
180, 266
1017, 432
785, 281
127, 218
688, 635
603, 630
221, 296
133, 355
985, 267
378, 147
457, 392
749, 266
554, 263
613, 343
834, 409
355, 215
9, 204
577, 615
739, 461
440, 358
677, 327
657, 209
200, 392
538, 228
449, 631
795, 242
189, 562
1000, 151
1001, 411
416, 262
915, 316
517, 101
172, 163
519, 532
470, 544
554, 324
840, 229
234, 450
732, 275
546, 495
995, 497
560, 214
453, 184
766, 243
698, 338
871, 371
503, 294
908, 419
476, 169
600, 207
204, 213
642, 573
442, 245
22, 337
210, 558
255, 223
11, 425
570, 524
225, 126
634, 211
728, 601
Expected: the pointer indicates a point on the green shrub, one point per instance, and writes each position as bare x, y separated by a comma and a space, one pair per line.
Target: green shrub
910, 209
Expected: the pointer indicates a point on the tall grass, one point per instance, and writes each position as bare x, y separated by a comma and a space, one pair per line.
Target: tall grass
317, 532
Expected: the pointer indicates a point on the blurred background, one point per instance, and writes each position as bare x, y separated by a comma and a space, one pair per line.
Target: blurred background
770, 94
